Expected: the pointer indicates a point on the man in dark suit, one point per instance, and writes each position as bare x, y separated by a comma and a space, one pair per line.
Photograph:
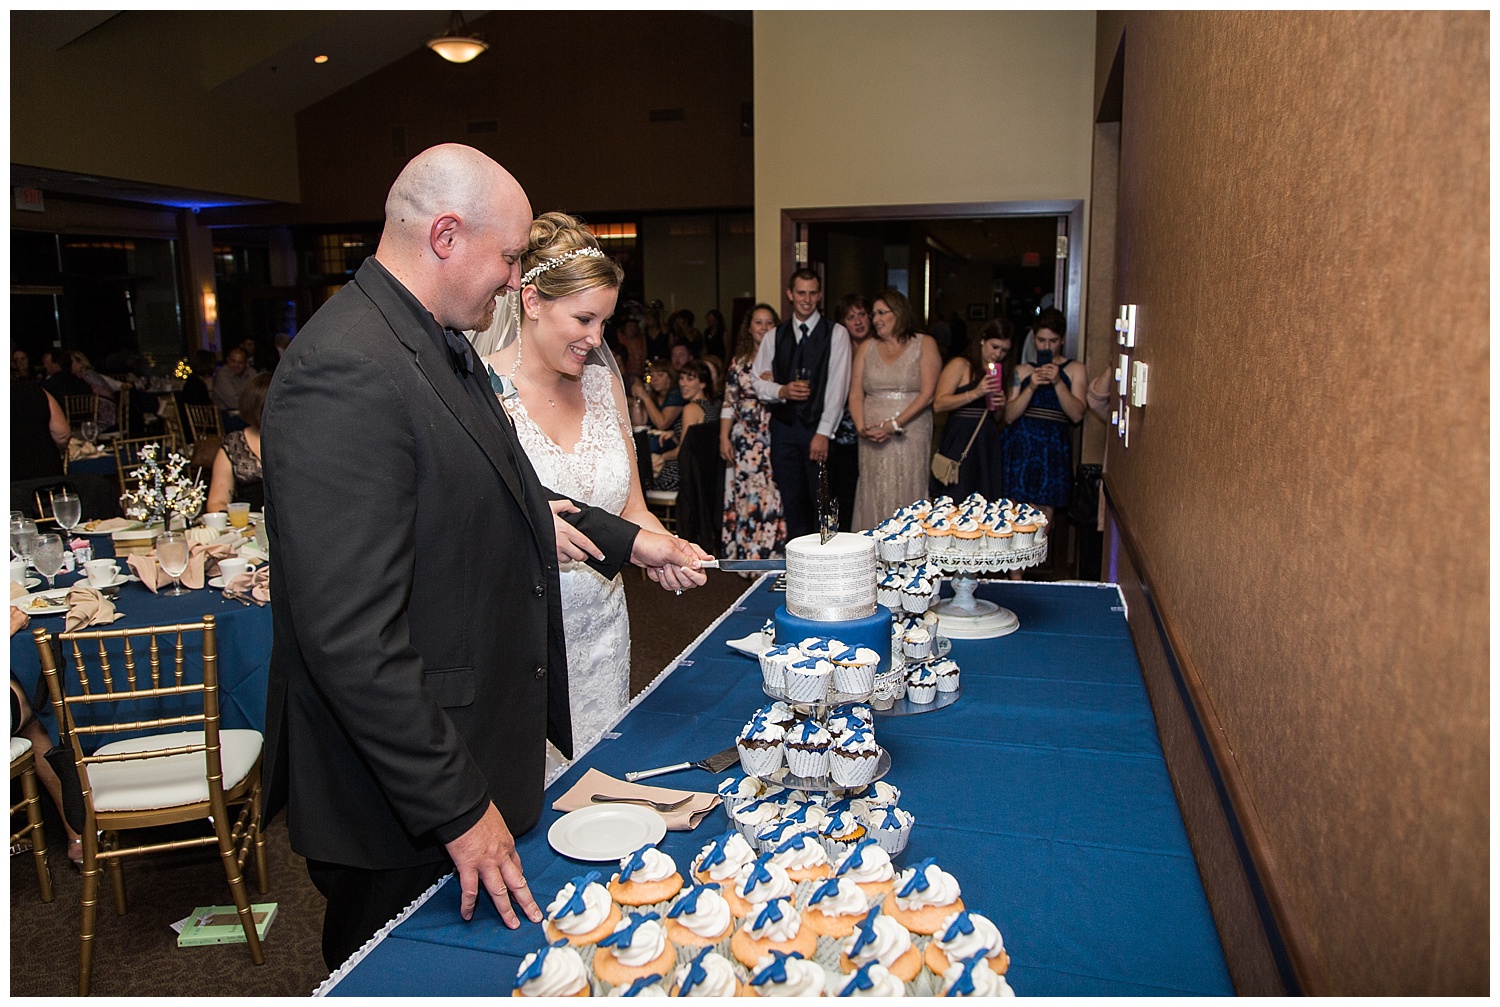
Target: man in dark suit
809, 365
405, 728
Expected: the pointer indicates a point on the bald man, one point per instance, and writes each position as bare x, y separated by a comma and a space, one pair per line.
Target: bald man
418, 664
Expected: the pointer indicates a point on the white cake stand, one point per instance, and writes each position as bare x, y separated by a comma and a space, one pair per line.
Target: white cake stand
964, 617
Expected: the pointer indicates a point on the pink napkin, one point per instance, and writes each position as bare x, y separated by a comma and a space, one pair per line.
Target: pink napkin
203, 562
681, 819
87, 607
251, 586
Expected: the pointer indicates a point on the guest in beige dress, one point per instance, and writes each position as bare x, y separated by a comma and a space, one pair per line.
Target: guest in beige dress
891, 386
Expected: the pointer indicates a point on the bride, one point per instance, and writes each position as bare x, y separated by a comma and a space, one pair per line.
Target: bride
566, 399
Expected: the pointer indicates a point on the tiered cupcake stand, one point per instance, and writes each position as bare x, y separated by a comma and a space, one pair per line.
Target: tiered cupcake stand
819, 711
964, 617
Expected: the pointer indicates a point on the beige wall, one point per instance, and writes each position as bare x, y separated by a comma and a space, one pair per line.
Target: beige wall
1304, 224
133, 99
869, 108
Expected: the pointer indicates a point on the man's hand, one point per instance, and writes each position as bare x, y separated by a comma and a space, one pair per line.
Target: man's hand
795, 391
18, 620
818, 450
669, 560
486, 855
573, 546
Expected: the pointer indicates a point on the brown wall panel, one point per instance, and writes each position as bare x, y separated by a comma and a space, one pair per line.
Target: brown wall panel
569, 95
1303, 223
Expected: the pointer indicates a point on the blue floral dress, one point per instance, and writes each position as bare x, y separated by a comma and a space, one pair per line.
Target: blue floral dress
754, 527
1039, 449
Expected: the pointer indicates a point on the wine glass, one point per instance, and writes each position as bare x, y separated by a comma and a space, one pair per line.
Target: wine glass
68, 510
89, 430
47, 557
22, 538
172, 554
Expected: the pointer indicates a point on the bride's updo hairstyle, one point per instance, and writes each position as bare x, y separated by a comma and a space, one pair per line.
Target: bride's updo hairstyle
563, 257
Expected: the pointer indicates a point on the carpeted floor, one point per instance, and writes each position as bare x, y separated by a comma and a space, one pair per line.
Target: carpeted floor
137, 954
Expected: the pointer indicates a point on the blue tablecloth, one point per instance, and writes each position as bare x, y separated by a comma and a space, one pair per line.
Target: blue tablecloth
243, 635
1043, 791
104, 465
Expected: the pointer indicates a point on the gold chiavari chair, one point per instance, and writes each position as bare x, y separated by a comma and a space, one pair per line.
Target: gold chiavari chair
81, 407
176, 437
204, 421
161, 778
23, 764
128, 458
122, 411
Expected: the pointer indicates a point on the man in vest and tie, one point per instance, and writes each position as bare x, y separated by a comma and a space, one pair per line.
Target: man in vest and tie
809, 366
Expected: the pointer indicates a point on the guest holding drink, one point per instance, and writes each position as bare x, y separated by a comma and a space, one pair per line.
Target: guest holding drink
972, 392
891, 389
237, 474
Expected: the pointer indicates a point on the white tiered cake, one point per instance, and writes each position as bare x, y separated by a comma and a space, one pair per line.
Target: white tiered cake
830, 592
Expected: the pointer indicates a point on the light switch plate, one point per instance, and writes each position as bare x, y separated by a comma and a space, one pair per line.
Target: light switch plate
1138, 384
1125, 325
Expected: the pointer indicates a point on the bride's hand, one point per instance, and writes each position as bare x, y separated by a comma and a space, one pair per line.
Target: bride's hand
573, 546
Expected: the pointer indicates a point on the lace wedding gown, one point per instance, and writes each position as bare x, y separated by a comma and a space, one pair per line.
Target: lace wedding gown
595, 623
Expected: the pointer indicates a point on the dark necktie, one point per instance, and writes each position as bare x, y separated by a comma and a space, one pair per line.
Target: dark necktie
797, 355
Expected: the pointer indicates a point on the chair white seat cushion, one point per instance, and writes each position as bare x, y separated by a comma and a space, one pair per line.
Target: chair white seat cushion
18, 748
661, 496
172, 780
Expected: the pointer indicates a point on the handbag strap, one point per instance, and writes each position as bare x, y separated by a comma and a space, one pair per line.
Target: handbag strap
982, 421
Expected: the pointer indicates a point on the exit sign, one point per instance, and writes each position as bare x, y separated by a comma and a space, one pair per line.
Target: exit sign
29, 199
1031, 258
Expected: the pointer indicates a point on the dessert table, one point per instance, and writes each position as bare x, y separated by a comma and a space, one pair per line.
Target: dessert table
1043, 791
243, 635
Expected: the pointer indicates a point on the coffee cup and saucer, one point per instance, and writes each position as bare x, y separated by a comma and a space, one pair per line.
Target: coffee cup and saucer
103, 573
230, 567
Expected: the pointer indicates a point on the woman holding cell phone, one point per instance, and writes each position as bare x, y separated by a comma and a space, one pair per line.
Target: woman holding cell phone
1045, 401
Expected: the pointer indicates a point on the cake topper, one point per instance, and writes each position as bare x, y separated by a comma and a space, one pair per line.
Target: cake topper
828, 508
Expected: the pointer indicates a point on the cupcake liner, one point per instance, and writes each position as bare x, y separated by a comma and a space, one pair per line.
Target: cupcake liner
891, 550
921, 694
837, 848
893, 841
827, 954
686, 954
926, 984
802, 688
760, 761
1024, 539
807, 763
848, 772
917, 651
854, 679
774, 673
947, 683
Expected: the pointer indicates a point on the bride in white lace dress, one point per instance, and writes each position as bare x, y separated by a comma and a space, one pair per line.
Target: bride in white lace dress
568, 406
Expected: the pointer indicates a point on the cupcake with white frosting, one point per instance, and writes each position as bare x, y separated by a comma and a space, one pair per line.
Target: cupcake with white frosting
807, 747
854, 671
737, 790
868, 866
802, 856
647, 876
871, 979
768, 837
637, 947
779, 974
582, 912
974, 978
552, 971
818, 646
835, 907
891, 828
965, 935
888, 591
879, 794
808, 679
916, 594
699, 917
706, 975
722, 858
645, 986
840, 832
774, 661
756, 883
917, 643
921, 685
854, 759
925, 896
774, 926
761, 747
946, 670
750, 817
878, 938
890, 547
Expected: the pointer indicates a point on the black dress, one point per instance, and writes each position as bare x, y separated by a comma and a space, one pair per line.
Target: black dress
33, 453
983, 469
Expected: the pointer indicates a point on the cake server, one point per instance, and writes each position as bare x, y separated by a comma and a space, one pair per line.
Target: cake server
712, 764
742, 565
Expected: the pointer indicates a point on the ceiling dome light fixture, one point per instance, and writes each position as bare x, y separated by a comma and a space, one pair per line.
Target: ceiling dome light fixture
458, 44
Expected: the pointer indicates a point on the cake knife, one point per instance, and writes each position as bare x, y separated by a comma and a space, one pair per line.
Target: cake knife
742, 565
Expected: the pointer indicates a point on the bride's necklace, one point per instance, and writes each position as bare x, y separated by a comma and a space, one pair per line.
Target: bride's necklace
515, 368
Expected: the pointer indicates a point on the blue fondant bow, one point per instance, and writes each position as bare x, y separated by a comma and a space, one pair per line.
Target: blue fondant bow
856, 857
918, 881
688, 903
636, 862
575, 904
534, 970
641, 983
696, 973
963, 986
864, 932
770, 913
827, 888
859, 980
961, 925
715, 853
776, 971
621, 938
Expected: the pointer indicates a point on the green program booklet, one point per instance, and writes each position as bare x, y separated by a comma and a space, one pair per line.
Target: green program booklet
221, 925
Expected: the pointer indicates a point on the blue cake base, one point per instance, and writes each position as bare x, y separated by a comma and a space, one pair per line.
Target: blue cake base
873, 631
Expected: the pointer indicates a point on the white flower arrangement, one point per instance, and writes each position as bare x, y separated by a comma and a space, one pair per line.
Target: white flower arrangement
163, 491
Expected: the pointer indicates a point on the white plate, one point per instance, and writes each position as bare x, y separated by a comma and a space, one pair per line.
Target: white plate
31, 582
753, 645
606, 831
83, 529
58, 597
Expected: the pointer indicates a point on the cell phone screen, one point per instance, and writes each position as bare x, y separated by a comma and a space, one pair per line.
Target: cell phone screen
1043, 357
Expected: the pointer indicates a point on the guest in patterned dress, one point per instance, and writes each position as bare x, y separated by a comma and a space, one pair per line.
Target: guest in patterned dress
1045, 402
236, 474
754, 527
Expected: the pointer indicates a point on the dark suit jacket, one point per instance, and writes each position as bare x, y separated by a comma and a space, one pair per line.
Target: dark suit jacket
418, 658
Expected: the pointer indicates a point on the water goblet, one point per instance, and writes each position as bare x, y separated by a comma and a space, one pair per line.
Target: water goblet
68, 510
88, 430
47, 557
22, 538
172, 554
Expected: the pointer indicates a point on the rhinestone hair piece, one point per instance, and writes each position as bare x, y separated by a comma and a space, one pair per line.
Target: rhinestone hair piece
588, 252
